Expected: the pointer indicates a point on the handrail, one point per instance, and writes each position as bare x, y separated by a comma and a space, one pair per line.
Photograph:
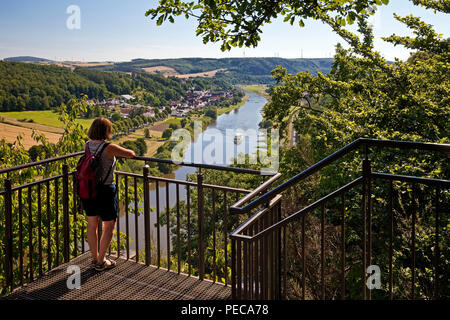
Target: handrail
399, 177
201, 165
188, 164
304, 174
335, 156
237, 232
257, 191
36, 163
425, 146
295, 215
183, 182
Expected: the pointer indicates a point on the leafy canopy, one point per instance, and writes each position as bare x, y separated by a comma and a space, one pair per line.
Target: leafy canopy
239, 22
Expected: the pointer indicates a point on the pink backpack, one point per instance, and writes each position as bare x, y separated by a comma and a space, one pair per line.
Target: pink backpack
88, 175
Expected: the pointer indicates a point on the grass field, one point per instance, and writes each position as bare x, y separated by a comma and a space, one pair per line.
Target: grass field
44, 117
176, 121
256, 88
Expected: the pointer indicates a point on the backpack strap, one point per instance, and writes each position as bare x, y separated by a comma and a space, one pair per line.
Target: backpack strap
100, 149
99, 153
86, 149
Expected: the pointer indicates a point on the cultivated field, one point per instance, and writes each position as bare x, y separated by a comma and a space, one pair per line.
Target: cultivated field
91, 64
167, 71
171, 72
158, 129
10, 133
208, 74
23, 123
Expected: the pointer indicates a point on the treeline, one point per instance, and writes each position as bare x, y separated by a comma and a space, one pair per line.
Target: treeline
238, 70
25, 86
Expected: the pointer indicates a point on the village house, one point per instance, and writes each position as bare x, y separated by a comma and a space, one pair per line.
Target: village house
125, 111
127, 97
149, 112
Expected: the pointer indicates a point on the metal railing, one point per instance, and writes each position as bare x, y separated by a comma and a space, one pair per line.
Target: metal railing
278, 250
39, 236
263, 245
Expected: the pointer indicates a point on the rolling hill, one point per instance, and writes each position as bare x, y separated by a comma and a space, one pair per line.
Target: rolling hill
27, 59
236, 70
31, 86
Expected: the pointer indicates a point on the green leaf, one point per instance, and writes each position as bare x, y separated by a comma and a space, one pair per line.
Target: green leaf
160, 20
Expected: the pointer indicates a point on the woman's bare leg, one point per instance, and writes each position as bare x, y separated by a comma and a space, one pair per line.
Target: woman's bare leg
108, 230
92, 236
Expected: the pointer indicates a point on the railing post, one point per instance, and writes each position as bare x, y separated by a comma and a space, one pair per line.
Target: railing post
366, 172
146, 216
201, 222
65, 179
233, 270
279, 290
8, 233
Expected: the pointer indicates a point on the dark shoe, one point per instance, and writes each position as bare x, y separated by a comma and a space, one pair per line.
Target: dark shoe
103, 266
93, 264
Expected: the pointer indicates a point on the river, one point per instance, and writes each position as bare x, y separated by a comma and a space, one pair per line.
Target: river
219, 136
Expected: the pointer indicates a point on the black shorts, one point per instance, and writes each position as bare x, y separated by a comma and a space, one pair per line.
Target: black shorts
105, 204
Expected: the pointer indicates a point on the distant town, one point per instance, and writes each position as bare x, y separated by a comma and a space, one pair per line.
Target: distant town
194, 100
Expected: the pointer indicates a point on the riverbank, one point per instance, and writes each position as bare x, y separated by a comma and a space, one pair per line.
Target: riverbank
259, 89
231, 108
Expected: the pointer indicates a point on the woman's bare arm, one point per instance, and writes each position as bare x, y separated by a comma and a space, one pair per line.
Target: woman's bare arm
113, 150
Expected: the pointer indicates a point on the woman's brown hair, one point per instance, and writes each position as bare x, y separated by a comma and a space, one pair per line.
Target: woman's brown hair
101, 129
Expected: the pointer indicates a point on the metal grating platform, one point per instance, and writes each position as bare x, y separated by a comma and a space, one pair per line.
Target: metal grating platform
127, 281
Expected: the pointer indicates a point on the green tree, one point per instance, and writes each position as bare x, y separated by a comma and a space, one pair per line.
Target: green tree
174, 126
116, 117
239, 22
167, 133
211, 112
366, 96
363, 96
147, 133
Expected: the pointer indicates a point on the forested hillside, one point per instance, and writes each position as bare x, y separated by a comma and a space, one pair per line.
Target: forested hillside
25, 86
238, 70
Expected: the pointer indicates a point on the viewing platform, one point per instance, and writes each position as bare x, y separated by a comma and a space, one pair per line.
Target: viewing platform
127, 281
174, 237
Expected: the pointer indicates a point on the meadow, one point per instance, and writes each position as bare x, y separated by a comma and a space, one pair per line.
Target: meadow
44, 117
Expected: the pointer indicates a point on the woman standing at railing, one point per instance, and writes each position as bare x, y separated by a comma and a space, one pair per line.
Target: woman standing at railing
105, 204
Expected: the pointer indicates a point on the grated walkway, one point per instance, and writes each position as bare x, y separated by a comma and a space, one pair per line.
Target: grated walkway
127, 281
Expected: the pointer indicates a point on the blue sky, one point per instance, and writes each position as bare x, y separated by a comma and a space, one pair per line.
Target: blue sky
116, 30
